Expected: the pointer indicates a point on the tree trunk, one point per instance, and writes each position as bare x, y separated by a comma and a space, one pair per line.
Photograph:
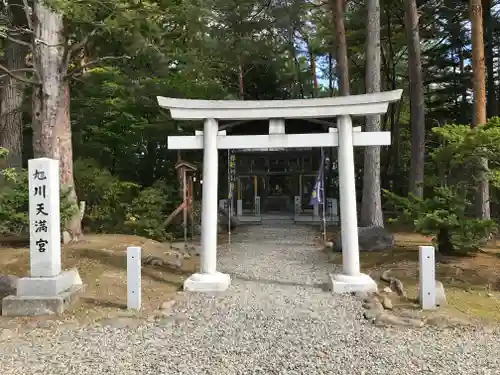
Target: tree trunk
371, 207
312, 60
241, 85
312, 57
445, 247
51, 120
491, 108
479, 90
297, 72
12, 95
330, 73
417, 107
392, 155
463, 104
337, 9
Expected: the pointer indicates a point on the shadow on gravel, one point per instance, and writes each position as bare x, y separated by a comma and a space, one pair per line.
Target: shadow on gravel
322, 286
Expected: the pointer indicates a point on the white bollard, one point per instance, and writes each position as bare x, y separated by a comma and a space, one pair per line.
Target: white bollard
134, 278
427, 275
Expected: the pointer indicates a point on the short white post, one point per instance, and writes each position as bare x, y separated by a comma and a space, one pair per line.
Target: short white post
134, 278
427, 277
347, 190
44, 216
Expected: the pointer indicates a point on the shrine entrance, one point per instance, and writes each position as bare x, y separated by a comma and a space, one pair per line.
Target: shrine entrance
340, 134
271, 182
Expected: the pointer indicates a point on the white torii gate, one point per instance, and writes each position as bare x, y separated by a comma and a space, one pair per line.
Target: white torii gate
277, 111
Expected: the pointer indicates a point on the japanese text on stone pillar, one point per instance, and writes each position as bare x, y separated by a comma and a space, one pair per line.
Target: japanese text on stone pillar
42, 218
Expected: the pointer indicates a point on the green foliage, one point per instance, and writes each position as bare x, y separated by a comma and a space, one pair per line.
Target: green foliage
14, 204
8, 174
105, 196
443, 213
451, 180
116, 206
147, 212
458, 152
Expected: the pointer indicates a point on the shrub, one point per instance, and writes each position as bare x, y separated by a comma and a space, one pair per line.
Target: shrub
119, 206
444, 215
147, 212
451, 181
105, 196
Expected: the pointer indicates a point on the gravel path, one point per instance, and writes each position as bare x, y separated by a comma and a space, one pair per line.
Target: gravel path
275, 319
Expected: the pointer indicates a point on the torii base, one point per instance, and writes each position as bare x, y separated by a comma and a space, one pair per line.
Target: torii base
348, 284
207, 283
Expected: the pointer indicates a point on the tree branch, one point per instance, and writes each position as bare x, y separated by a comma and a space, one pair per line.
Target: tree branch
75, 47
79, 45
22, 79
27, 11
24, 70
15, 40
79, 70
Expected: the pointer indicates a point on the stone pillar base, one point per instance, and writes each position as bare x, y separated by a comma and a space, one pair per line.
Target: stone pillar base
44, 295
206, 283
348, 284
48, 286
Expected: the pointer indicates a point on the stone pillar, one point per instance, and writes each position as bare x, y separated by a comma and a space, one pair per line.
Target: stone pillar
209, 280
316, 211
222, 204
47, 290
257, 206
329, 209
239, 207
298, 205
332, 209
351, 280
335, 210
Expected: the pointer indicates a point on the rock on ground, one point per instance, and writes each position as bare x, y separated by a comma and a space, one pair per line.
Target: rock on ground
440, 295
8, 285
223, 221
372, 238
274, 319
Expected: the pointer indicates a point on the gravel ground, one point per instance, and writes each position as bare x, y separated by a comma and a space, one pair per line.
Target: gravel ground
275, 319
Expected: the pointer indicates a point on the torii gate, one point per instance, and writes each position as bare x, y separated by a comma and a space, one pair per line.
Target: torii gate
277, 111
